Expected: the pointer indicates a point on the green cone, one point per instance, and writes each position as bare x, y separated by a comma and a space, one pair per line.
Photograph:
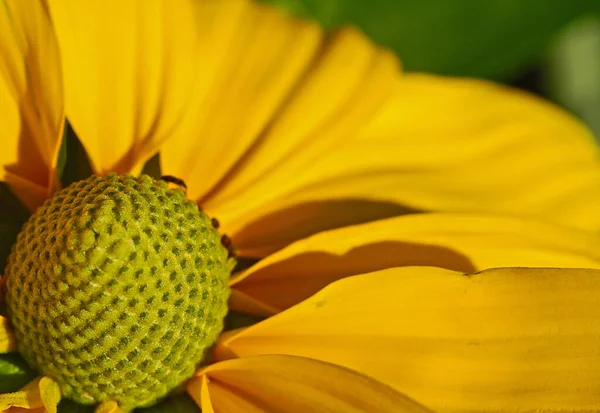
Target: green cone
117, 288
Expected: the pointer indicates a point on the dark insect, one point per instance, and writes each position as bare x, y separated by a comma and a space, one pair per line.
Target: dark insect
174, 180
227, 243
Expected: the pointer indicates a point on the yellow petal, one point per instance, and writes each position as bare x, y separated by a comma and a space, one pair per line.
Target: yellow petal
277, 383
24, 410
444, 144
127, 68
503, 340
7, 336
31, 105
251, 56
241, 301
41, 395
461, 242
109, 406
225, 399
343, 89
204, 400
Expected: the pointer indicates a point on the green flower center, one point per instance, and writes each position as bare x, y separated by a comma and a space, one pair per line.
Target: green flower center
117, 289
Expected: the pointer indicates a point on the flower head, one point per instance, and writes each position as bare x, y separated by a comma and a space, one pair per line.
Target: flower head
309, 149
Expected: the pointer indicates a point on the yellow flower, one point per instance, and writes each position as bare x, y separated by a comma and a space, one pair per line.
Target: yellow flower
298, 142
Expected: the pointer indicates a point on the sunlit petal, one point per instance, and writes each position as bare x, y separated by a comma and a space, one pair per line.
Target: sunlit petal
503, 340
443, 144
278, 383
128, 67
251, 57
7, 336
461, 242
341, 92
31, 104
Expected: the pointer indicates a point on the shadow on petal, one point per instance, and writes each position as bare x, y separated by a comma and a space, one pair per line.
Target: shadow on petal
277, 229
287, 282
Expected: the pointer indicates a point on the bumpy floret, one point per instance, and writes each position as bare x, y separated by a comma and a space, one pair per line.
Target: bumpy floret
117, 288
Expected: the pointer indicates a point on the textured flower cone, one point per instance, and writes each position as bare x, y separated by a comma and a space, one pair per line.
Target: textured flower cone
117, 287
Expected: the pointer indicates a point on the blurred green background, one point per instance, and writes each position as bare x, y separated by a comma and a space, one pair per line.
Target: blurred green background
549, 47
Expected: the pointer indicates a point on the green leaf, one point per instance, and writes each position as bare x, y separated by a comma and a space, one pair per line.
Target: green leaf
491, 38
574, 70
14, 373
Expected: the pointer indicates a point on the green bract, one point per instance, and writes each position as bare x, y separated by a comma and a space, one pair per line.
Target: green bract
117, 287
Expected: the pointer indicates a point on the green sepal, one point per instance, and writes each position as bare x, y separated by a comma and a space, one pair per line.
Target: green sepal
62, 152
74, 163
152, 167
12, 216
